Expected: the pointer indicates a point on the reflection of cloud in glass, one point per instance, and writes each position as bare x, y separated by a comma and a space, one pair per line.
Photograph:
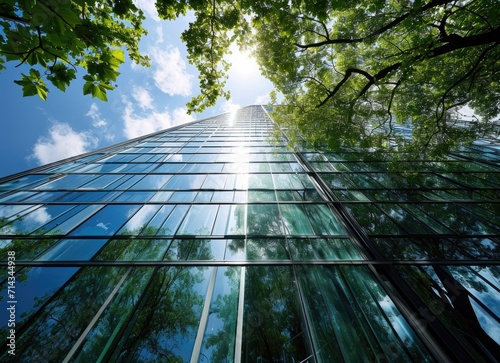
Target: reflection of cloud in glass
39, 216
176, 158
487, 323
5, 242
141, 217
232, 115
7, 211
242, 167
103, 226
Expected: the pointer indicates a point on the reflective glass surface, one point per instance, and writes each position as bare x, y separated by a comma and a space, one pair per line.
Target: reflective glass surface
213, 242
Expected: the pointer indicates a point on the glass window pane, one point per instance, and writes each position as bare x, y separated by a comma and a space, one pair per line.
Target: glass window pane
261, 196
264, 219
185, 182
58, 327
199, 220
267, 249
272, 329
322, 220
183, 196
68, 181
161, 197
152, 182
73, 250
260, 181
35, 287
174, 219
135, 196
295, 219
36, 219
138, 222
101, 182
107, 221
167, 318
215, 181
76, 216
220, 332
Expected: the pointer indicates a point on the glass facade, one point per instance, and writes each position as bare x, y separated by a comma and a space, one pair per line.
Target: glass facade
212, 242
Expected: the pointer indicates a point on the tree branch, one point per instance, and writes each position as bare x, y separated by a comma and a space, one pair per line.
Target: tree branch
460, 80
12, 17
475, 40
379, 31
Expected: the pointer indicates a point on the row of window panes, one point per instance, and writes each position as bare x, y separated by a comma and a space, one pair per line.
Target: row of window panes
297, 181
343, 307
170, 219
428, 218
157, 249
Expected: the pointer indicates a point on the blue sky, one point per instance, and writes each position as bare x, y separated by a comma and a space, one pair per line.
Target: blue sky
36, 132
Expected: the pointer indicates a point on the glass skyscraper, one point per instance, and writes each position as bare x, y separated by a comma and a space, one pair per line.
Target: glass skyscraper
213, 242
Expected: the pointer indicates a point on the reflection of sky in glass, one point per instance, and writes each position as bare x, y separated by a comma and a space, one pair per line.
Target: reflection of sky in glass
194, 180
154, 182
8, 211
488, 323
73, 250
107, 221
40, 283
139, 220
35, 219
478, 288
175, 158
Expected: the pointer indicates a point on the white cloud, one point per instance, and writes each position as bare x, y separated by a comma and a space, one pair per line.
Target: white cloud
137, 125
170, 71
62, 142
142, 96
229, 106
95, 115
159, 33
263, 99
148, 6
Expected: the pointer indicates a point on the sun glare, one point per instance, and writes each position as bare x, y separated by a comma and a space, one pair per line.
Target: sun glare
243, 64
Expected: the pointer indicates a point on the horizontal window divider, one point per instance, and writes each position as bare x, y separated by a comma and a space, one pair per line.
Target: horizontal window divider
194, 263
435, 235
345, 202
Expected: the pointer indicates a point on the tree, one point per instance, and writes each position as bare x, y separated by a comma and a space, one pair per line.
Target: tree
350, 72
57, 36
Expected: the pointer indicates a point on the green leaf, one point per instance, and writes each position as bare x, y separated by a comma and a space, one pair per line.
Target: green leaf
61, 76
42, 91
33, 85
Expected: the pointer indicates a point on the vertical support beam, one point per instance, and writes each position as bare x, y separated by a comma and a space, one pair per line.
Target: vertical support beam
195, 356
82, 337
239, 321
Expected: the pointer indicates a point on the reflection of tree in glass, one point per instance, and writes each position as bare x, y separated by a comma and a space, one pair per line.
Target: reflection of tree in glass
352, 318
445, 293
448, 299
164, 326
267, 249
135, 249
264, 220
56, 328
219, 343
25, 248
272, 329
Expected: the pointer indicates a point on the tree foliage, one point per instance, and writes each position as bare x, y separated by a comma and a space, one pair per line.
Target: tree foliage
57, 36
348, 72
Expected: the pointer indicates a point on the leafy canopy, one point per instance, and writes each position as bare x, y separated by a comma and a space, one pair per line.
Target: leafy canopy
349, 72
